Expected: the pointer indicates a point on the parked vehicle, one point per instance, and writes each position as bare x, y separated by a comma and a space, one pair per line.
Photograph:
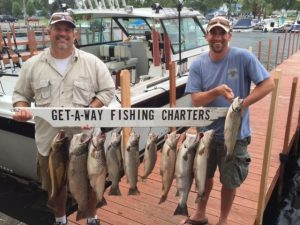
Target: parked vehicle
7, 18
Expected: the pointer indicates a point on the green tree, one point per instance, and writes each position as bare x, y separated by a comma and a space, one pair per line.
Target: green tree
30, 9
5, 6
16, 9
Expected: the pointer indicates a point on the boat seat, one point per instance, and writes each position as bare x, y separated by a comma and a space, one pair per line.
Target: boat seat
117, 57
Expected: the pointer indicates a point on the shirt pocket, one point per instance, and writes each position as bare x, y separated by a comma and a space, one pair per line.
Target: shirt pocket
43, 93
82, 94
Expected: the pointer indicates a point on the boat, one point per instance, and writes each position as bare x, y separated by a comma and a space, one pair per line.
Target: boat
123, 37
243, 25
276, 25
296, 26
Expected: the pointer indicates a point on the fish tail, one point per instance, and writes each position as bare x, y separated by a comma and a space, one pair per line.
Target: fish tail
101, 203
181, 210
133, 191
163, 198
81, 215
51, 203
115, 191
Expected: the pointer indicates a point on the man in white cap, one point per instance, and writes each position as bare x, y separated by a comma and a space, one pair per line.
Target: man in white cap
61, 76
215, 79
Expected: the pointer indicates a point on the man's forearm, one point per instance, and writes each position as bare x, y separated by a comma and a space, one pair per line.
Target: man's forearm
21, 104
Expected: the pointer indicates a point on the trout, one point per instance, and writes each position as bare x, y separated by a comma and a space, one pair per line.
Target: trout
167, 163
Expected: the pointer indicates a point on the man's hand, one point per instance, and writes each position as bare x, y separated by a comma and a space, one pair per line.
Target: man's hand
22, 115
226, 91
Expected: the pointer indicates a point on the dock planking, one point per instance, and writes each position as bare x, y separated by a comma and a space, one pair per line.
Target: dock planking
144, 208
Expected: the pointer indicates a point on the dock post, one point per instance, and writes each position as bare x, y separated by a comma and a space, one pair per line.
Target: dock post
172, 81
267, 151
269, 54
289, 45
125, 103
285, 149
283, 47
277, 51
297, 45
259, 50
293, 44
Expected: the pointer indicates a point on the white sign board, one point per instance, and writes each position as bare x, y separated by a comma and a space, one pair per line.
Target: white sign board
129, 117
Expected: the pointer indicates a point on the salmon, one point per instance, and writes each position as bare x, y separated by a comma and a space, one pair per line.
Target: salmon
77, 174
200, 163
97, 167
150, 155
184, 171
132, 162
167, 163
58, 159
232, 126
114, 163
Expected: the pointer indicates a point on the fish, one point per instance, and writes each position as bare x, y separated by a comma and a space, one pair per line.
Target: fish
114, 163
97, 167
184, 171
167, 163
77, 173
200, 163
150, 155
132, 162
232, 126
58, 160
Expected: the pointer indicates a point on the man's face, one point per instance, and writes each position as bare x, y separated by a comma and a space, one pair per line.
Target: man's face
62, 36
218, 39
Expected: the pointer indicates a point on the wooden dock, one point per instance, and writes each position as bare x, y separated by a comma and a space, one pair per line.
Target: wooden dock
144, 209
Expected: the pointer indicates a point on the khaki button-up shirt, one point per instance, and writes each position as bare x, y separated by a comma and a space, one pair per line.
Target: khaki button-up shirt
87, 77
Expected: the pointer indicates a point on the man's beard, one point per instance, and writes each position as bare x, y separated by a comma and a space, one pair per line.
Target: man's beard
217, 47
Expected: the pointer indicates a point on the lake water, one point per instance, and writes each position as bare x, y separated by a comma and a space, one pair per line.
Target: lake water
252, 39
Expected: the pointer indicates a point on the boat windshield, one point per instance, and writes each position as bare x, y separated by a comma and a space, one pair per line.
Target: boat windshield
134, 26
192, 36
98, 30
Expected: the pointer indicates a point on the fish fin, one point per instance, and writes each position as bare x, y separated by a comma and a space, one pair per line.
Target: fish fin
181, 210
200, 198
101, 203
163, 198
115, 191
143, 178
133, 191
185, 156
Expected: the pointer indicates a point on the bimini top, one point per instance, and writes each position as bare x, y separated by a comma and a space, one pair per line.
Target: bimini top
156, 11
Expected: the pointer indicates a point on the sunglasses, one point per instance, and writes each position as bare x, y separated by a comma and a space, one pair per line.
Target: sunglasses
60, 17
221, 21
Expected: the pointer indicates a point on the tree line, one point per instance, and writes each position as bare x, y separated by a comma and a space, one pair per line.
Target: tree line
255, 7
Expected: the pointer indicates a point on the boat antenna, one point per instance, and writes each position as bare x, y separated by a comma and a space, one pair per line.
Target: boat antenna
179, 8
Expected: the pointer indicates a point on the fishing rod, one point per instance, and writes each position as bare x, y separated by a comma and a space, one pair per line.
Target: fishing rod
11, 62
16, 46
